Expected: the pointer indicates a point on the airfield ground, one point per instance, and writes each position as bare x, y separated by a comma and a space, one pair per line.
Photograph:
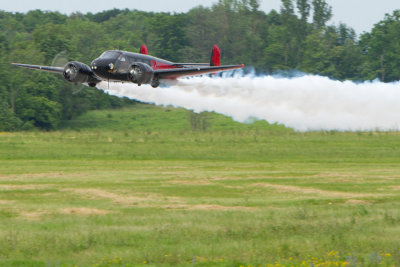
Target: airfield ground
139, 186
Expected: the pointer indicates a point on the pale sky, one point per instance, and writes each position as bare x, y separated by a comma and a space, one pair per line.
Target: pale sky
358, 14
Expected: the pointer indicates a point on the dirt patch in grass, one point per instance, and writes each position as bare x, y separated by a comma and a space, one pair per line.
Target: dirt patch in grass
207, 207
337, 174
24, 186
43, 175
140, 200
245, 178
150, 201
24, 176
344, 176
172, 167
32, 215
98, 193
84, 211
191, 182
303, 190
5, 202
38, 214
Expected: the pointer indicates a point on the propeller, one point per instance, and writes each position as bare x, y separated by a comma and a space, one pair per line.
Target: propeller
136, 73
70, 72
61, 60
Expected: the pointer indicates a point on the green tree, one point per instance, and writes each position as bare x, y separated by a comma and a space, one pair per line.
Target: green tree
254, 4
289, 20
36, 18
42, 112
275, 54
8, 120
168, 35
381, 49
317, 55
51, 39
322, 13
303, 7
105, 15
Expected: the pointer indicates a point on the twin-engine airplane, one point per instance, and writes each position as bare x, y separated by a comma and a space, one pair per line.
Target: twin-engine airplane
121, 66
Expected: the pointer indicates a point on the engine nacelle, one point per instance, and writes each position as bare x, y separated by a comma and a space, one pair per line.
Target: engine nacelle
77, 72
141, 73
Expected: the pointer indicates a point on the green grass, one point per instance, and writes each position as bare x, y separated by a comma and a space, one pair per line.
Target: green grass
139, 187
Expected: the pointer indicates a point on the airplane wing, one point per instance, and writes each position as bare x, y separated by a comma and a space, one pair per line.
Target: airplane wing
44, 68
75, 72
182, 72
187, 65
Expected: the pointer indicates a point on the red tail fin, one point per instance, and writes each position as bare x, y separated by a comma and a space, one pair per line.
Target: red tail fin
215, 56
143, 49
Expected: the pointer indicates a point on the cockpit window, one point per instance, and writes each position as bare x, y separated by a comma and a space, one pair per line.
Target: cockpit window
110, 54
122, 58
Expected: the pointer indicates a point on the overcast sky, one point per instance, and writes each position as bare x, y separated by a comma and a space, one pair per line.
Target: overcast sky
359, 14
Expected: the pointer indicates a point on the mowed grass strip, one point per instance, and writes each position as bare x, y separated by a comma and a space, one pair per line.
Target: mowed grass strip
250, 194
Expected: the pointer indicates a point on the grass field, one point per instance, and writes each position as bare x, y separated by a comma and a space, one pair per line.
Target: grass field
139, 187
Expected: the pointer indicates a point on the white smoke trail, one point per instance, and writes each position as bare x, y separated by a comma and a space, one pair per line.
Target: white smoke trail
304, 103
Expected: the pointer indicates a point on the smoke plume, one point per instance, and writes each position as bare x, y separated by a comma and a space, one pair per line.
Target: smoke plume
303, 103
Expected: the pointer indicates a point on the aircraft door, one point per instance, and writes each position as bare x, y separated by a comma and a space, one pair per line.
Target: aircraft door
122, 64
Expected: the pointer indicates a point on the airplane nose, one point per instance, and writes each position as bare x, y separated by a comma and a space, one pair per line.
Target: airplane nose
102, 67
93, 66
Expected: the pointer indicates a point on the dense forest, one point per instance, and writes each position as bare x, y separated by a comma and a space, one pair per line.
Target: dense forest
297, 37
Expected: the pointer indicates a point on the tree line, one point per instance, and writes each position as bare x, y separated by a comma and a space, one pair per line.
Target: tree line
296, 37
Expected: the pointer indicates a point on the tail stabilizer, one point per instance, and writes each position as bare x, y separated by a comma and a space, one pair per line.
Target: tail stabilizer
143, 50
215, 56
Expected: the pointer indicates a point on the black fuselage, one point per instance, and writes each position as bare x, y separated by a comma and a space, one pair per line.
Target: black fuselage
114, 65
